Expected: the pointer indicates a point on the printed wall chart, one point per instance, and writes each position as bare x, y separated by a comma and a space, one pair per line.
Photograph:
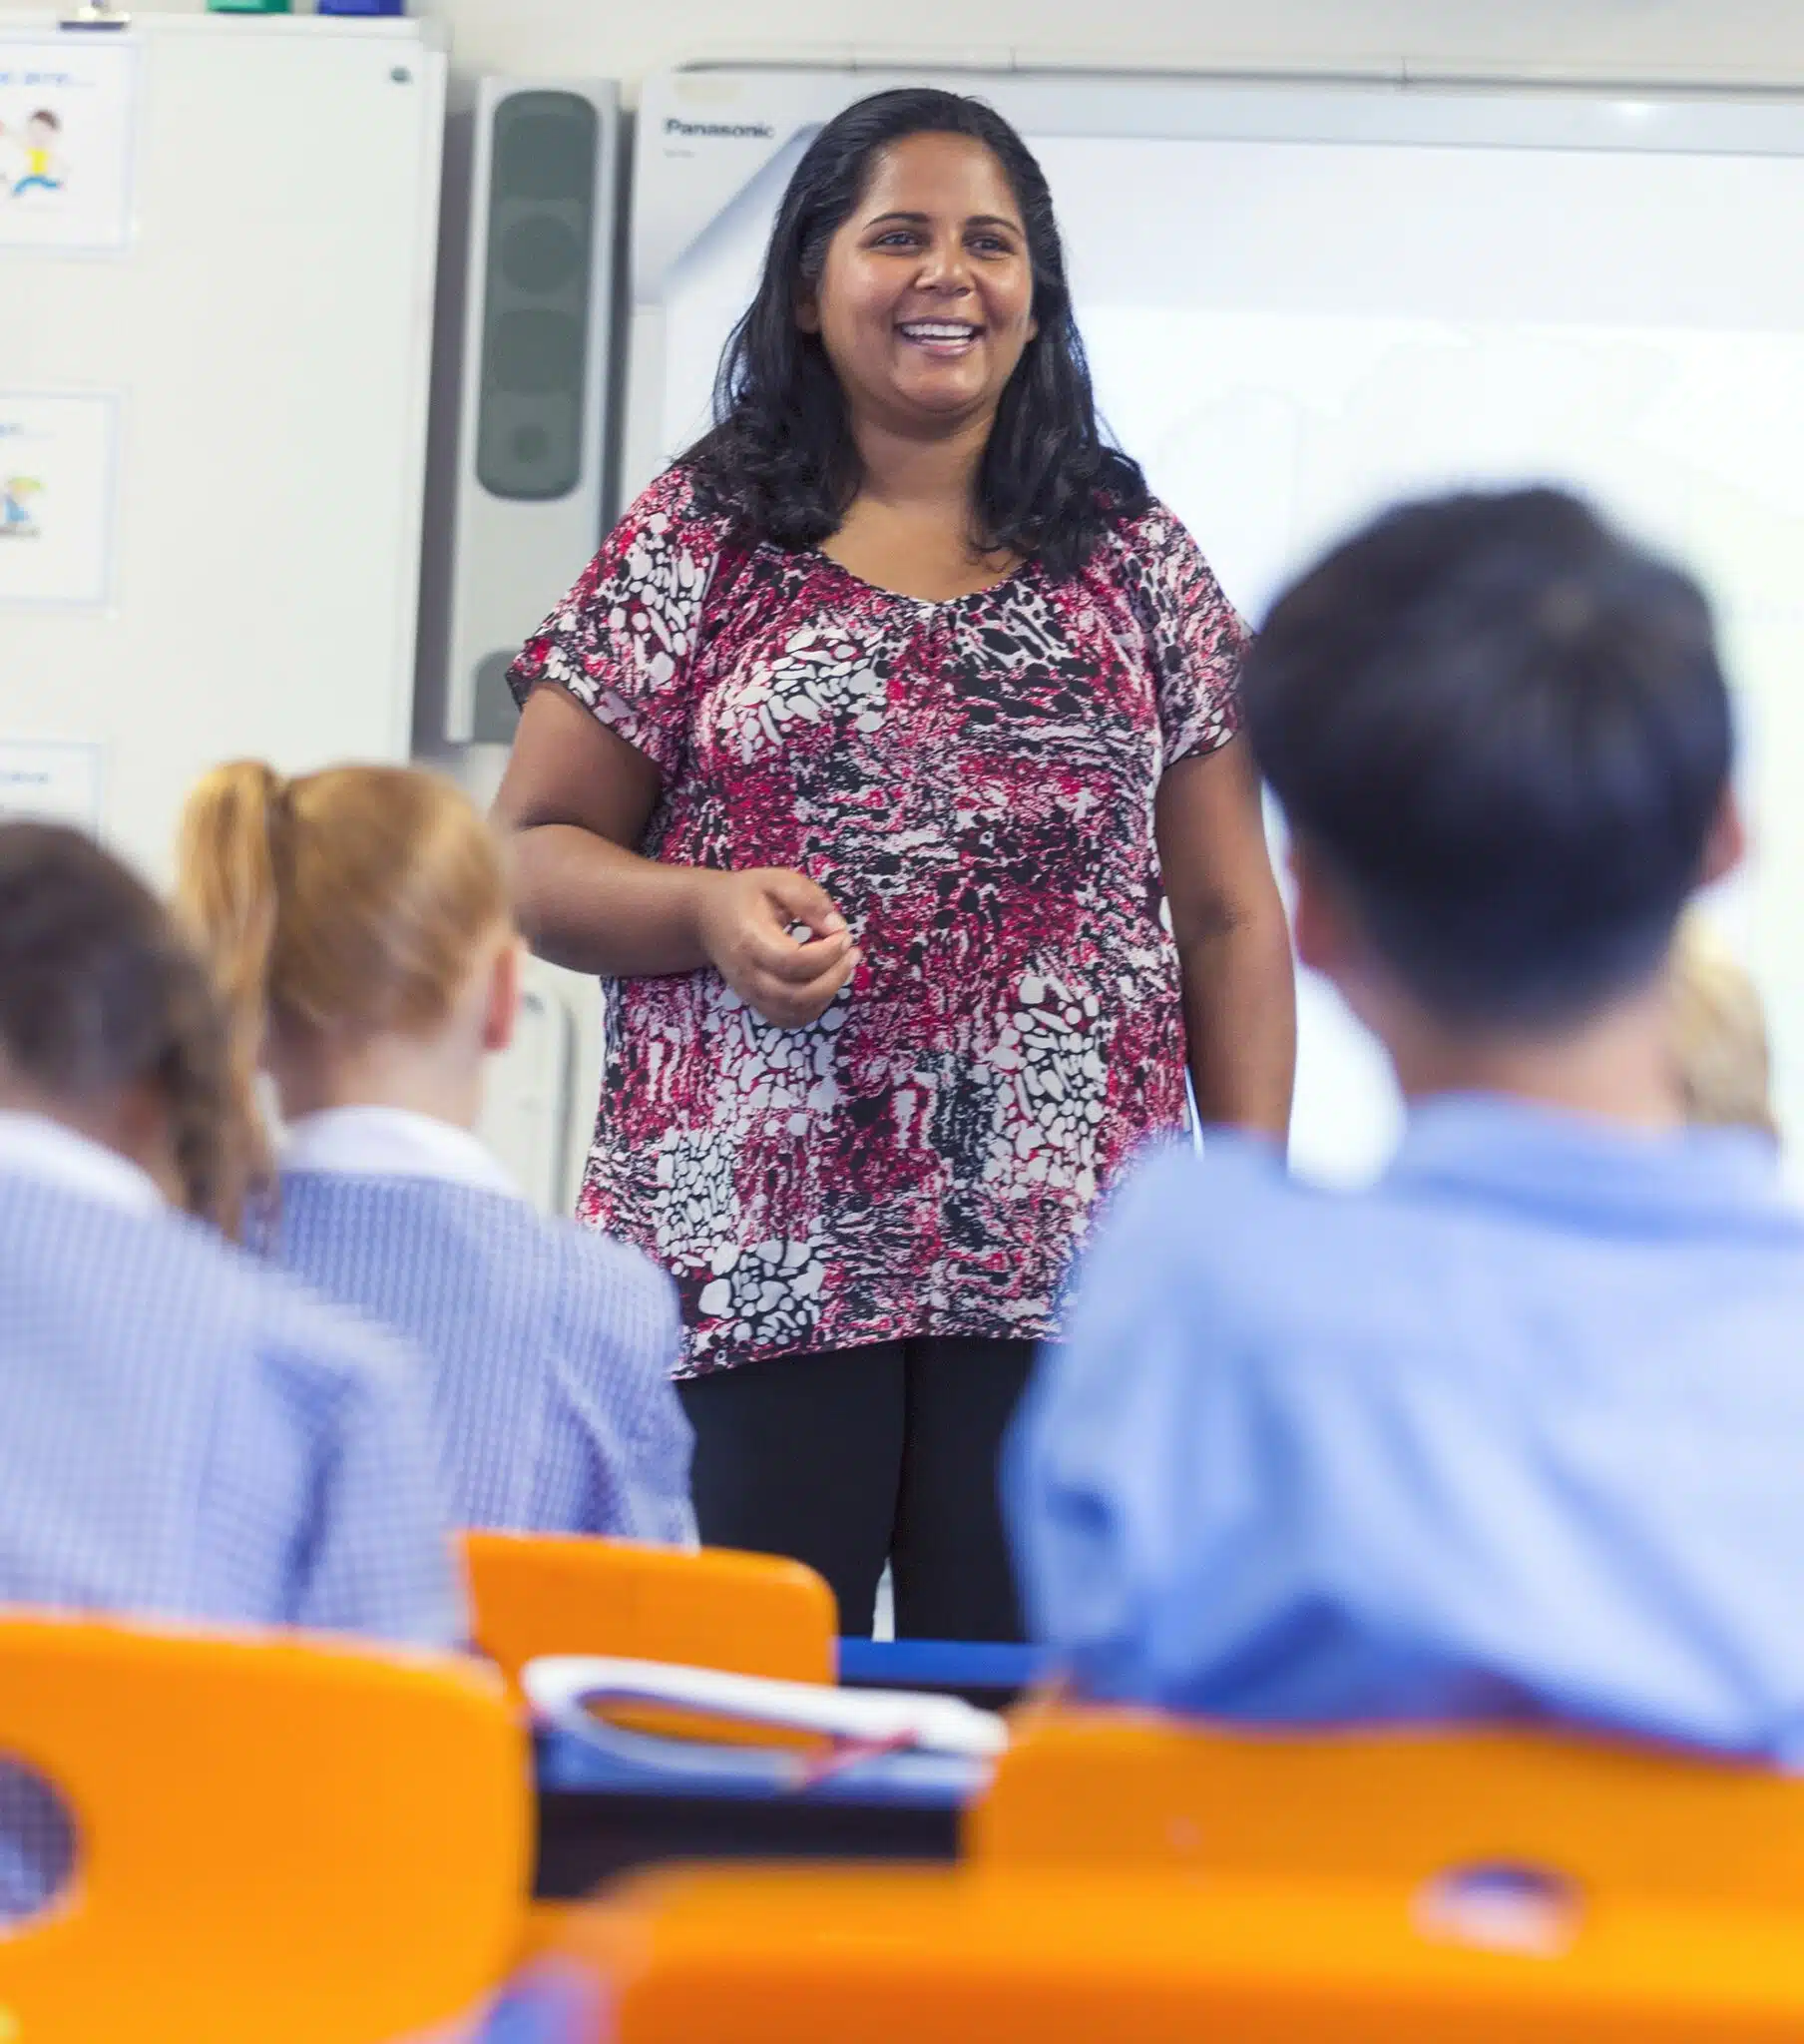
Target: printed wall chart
66, 111
56, 497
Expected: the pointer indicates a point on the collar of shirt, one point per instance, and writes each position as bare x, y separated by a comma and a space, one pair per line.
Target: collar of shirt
392, 1142
33, 1146
1493, 1148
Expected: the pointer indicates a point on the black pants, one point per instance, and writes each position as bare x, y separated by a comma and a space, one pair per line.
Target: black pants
849, 1457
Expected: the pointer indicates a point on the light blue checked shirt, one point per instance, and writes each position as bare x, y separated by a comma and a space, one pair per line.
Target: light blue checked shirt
185, 1432
549, 1347
1516, 1433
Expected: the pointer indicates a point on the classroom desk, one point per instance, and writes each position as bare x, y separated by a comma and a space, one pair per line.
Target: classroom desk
994, 1677
595, 1824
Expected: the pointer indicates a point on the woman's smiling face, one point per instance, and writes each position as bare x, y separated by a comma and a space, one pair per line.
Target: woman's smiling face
925, 300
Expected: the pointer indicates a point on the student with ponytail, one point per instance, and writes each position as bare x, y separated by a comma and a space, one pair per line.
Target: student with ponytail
358, 924
183, 1432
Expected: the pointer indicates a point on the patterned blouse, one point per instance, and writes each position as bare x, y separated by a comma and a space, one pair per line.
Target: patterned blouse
973, 782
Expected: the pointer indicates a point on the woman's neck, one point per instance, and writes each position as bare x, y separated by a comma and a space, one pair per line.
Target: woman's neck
925, 475
910, 528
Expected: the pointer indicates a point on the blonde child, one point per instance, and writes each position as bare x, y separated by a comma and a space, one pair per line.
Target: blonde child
359, 928
1720, 1048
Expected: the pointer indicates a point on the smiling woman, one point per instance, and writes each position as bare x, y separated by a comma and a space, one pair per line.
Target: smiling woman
889, 229
883, 757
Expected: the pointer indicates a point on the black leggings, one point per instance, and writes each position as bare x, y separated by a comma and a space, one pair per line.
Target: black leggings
846, 1458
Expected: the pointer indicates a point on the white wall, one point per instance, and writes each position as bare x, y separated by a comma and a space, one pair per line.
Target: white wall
1736, 43
1742, 42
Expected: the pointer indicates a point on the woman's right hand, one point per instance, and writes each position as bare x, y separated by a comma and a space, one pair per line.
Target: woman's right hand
744, 921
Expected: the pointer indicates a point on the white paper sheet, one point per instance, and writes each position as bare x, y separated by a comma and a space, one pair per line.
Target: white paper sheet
66, 113
56, 497
53, 780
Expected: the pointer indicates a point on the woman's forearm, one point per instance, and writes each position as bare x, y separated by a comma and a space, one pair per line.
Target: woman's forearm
575, 796
597, 907
1239, 1001
1233, 943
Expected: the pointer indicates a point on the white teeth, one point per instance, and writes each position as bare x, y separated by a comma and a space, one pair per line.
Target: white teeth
929, 329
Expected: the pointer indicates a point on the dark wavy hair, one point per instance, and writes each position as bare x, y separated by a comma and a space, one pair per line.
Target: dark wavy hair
780, 463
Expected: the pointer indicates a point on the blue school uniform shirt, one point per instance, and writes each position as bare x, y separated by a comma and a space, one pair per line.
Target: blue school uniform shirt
548, 1345
1516, 1433
188, 1434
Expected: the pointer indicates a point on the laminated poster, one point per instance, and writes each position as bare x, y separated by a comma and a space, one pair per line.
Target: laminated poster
56, 497
52, 781
66, 109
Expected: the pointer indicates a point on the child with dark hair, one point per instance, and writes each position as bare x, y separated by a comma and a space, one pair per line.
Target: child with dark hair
183, 1432
1515, 1432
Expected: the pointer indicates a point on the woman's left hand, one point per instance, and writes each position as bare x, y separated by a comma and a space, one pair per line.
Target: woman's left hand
745, 921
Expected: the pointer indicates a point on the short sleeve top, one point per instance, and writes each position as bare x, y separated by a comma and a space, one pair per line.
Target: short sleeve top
973, 781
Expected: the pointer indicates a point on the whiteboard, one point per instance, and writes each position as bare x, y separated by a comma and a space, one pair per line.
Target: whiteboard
263, 337
1303, 301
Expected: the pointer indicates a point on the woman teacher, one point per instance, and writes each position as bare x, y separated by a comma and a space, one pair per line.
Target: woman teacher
863, 759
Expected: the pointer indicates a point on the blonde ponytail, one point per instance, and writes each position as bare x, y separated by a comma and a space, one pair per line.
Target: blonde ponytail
229, 896
346, 903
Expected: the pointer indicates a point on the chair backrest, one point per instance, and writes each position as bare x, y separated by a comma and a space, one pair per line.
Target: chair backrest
1130, 1876
282, 1838
1402, 1809
751, 1614
1018, 1955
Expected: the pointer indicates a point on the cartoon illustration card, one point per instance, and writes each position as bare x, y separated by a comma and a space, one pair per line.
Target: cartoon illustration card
65, 109
56, 497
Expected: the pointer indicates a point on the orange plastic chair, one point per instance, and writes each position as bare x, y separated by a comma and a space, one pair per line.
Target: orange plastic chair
290, 1841
1095, 1788
749, 1613
1133, 1878
1024, 1955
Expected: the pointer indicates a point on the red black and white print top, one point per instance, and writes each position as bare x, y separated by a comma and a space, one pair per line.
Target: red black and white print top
973, 783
